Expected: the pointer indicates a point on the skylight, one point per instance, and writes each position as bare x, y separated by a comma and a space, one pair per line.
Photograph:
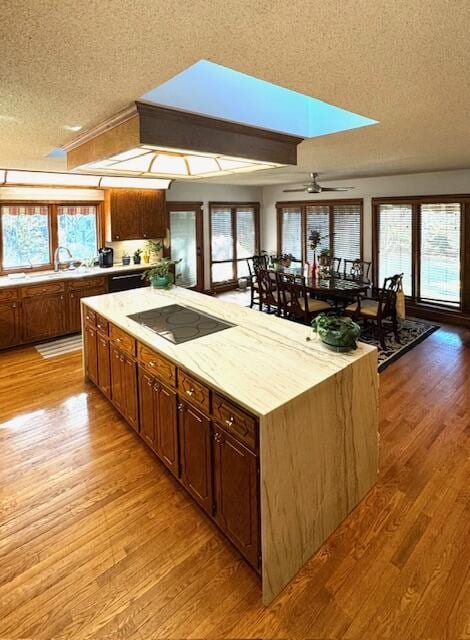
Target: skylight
213, 90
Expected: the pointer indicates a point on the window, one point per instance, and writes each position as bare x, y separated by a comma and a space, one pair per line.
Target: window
339, 223
421, 238
31, 232
76, 229
25, 236
234, 237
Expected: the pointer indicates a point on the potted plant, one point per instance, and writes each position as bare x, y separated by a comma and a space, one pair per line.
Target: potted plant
314, 240
152, 247
126, 259
339, 334
325, 258
137, 256
159, 275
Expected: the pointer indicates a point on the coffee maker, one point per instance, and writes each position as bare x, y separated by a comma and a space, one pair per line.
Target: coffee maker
105, 257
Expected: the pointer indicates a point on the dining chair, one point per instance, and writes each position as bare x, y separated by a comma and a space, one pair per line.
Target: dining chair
358, 269
294, 301
336, 264
255, 263
380, 309
268, 290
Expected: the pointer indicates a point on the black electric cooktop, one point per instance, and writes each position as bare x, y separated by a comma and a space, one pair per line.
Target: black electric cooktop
179, 324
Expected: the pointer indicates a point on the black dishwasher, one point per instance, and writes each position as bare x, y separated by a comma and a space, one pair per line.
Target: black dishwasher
125, 281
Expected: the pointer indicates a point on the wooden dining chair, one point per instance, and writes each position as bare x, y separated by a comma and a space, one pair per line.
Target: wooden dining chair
380, 309
336, 264
268, 291
294, 301
255, 263
358, 269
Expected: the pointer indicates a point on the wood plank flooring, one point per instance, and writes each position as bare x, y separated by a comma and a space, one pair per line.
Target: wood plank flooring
98, 541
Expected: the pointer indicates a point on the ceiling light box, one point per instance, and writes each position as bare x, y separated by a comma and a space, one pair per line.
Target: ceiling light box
150, 141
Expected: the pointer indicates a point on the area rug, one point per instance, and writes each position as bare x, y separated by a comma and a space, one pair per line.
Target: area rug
59, 347
411, 332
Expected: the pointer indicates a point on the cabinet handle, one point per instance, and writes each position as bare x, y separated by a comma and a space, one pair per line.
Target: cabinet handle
61, 297
117, 237
13, 306
118, 340
190, 391
121, 358
156, 387
180, 406
217, 437
72, 295
149, 382
230, 421
151, 364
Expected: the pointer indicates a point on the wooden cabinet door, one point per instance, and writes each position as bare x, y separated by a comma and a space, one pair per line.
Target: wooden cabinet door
116, 377
147, 400
88, 287
129, 390
196, 458
9, 324
167, 428
104, 370
125, 215
153, 214
236, 494
43, 317
91, 354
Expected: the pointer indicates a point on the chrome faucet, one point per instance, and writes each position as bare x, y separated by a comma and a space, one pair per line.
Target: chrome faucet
57, 255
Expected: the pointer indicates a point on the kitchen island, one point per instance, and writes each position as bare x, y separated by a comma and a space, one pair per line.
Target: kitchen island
274, 436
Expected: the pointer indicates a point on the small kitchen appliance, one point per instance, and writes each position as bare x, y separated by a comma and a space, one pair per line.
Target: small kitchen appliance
105, 257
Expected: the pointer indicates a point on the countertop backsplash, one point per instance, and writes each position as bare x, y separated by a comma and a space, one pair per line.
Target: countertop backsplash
128, 246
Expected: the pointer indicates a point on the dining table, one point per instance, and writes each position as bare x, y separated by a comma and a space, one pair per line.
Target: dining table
335, 284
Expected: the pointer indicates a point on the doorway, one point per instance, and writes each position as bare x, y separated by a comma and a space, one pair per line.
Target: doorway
187, 242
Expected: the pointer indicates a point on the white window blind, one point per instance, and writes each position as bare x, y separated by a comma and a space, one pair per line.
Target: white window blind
222, 243
347, 231
395, 243
246, 238
318, 219
291, 241
440, 253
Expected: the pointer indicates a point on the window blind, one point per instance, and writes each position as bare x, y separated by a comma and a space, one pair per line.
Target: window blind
395, 243
440, 253
222, 243
77, 230
246, 238
291, 239
318, 219
347, 231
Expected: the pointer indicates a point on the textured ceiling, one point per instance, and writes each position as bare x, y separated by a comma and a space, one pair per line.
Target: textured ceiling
403, 62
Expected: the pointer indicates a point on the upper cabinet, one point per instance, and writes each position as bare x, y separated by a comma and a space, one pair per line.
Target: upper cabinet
135, 214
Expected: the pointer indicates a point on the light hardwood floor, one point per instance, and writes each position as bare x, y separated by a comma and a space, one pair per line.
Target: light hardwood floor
98, 541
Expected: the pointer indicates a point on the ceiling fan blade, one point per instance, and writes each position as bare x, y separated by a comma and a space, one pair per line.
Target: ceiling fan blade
336, 188
292, 190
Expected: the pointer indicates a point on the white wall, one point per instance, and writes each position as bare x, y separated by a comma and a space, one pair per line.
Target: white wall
439, 183
205, 193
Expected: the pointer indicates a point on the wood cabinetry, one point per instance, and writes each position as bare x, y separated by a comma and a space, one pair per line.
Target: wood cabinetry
43, 311
78, 289
207, 442
133, 214
158, 419
236, 493
196, 454
9, 318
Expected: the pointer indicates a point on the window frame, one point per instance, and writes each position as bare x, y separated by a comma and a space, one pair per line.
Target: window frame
233, 206
330, 203
52, 206
415, 300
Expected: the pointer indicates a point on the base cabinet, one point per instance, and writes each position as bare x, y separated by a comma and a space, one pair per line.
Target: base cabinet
91, 353
196, 454
236, 493
9, 324
123, 381
104, 370
43, 317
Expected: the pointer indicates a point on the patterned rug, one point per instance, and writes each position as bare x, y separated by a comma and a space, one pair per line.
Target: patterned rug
59, 347
411, 332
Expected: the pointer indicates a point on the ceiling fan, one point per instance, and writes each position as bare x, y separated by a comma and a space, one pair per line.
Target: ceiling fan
314, 187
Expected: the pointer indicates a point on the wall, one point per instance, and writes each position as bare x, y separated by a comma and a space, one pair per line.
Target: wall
439, 183
210, 192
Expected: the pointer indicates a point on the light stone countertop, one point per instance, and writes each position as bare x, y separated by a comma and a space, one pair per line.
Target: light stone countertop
81, 272
261, 363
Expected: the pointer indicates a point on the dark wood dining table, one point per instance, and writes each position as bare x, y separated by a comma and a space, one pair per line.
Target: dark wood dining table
335, 284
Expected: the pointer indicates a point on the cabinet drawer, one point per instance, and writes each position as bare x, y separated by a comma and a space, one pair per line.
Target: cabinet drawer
90, 317
102, 324
157, 365
193, 391
235, 421
8, 294
94, 283
45, 288
122, 339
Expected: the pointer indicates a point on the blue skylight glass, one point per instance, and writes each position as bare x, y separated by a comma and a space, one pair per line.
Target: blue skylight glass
211, 89
57, 153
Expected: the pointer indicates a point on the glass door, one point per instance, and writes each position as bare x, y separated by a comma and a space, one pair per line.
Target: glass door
185, 221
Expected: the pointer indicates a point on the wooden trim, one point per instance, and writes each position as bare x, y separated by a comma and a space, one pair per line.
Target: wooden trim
465, 197
233, 206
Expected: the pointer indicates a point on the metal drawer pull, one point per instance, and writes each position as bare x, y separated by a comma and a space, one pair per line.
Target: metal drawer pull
156, 387
180, 407
151, 363
230, 421
217, 437
190, 391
